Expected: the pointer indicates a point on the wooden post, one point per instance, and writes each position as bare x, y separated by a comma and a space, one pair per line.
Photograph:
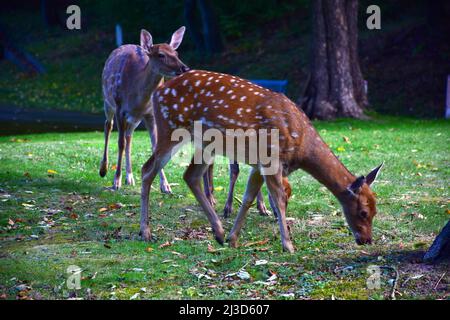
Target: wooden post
119, 37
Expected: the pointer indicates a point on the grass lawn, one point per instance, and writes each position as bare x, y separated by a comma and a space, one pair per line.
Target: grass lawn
55, 212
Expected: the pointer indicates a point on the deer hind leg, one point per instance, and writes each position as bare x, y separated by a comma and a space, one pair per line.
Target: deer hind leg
262, 209
109, 113
254, 184
208, 185
193, 176
277, 191
234, 173
151, 128
131, 126
122, 128
150, 169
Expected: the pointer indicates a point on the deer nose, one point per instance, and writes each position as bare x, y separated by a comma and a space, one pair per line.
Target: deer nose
185, 68
361, 241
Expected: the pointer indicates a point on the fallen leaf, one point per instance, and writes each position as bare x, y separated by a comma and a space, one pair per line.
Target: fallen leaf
73, 216
218, 189
135, 296
149, 249
102, 209
52, 172
165, 244
261, 262
242, 274
115, 206
256, 243
340, 149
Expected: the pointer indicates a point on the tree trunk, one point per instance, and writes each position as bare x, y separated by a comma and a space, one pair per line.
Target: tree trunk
440, 249
336, 86
206, 32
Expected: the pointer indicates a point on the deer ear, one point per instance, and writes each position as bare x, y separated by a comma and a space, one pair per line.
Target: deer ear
355, 187
177, 37
373, 174
146, 40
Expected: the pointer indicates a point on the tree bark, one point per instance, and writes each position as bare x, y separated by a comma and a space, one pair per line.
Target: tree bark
440, 249
206, 32
336, 86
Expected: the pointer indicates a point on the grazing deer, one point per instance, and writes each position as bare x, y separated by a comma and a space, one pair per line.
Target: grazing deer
222, 102
130, 76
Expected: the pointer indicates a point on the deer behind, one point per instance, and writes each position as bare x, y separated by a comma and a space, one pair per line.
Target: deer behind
224, 102
130, 76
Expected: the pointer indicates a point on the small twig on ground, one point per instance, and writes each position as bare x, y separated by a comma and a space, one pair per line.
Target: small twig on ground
394, 284
439, 281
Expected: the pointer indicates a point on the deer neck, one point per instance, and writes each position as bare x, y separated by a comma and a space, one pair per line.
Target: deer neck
150, 79
318, 160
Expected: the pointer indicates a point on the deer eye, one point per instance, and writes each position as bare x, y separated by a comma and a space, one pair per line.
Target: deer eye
161, 55
364, 214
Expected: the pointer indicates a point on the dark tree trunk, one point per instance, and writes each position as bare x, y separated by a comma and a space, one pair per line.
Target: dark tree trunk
440, 249
206, 33
336, 85
193, 26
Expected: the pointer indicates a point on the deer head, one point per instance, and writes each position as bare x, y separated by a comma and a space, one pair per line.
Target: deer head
164, 57
359, 207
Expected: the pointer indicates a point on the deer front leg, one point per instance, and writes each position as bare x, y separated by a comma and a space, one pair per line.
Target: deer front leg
254, 184
129, 179
151, 128
277, 191
122, 127
234, 173
109, 112
193, 176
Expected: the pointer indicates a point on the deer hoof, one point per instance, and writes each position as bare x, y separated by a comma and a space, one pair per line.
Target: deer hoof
219, 235
146, 235
263, 210
227, 211
288, 247
232, 241
165, 188
212, 200
117, 184
103, 169
130, 180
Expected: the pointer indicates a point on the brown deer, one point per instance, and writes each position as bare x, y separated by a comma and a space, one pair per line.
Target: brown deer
222, 102
130, 76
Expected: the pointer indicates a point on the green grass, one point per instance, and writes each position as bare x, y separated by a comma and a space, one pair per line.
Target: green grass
50, 221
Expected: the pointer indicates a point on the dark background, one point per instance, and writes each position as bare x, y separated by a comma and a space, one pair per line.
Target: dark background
406, 63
